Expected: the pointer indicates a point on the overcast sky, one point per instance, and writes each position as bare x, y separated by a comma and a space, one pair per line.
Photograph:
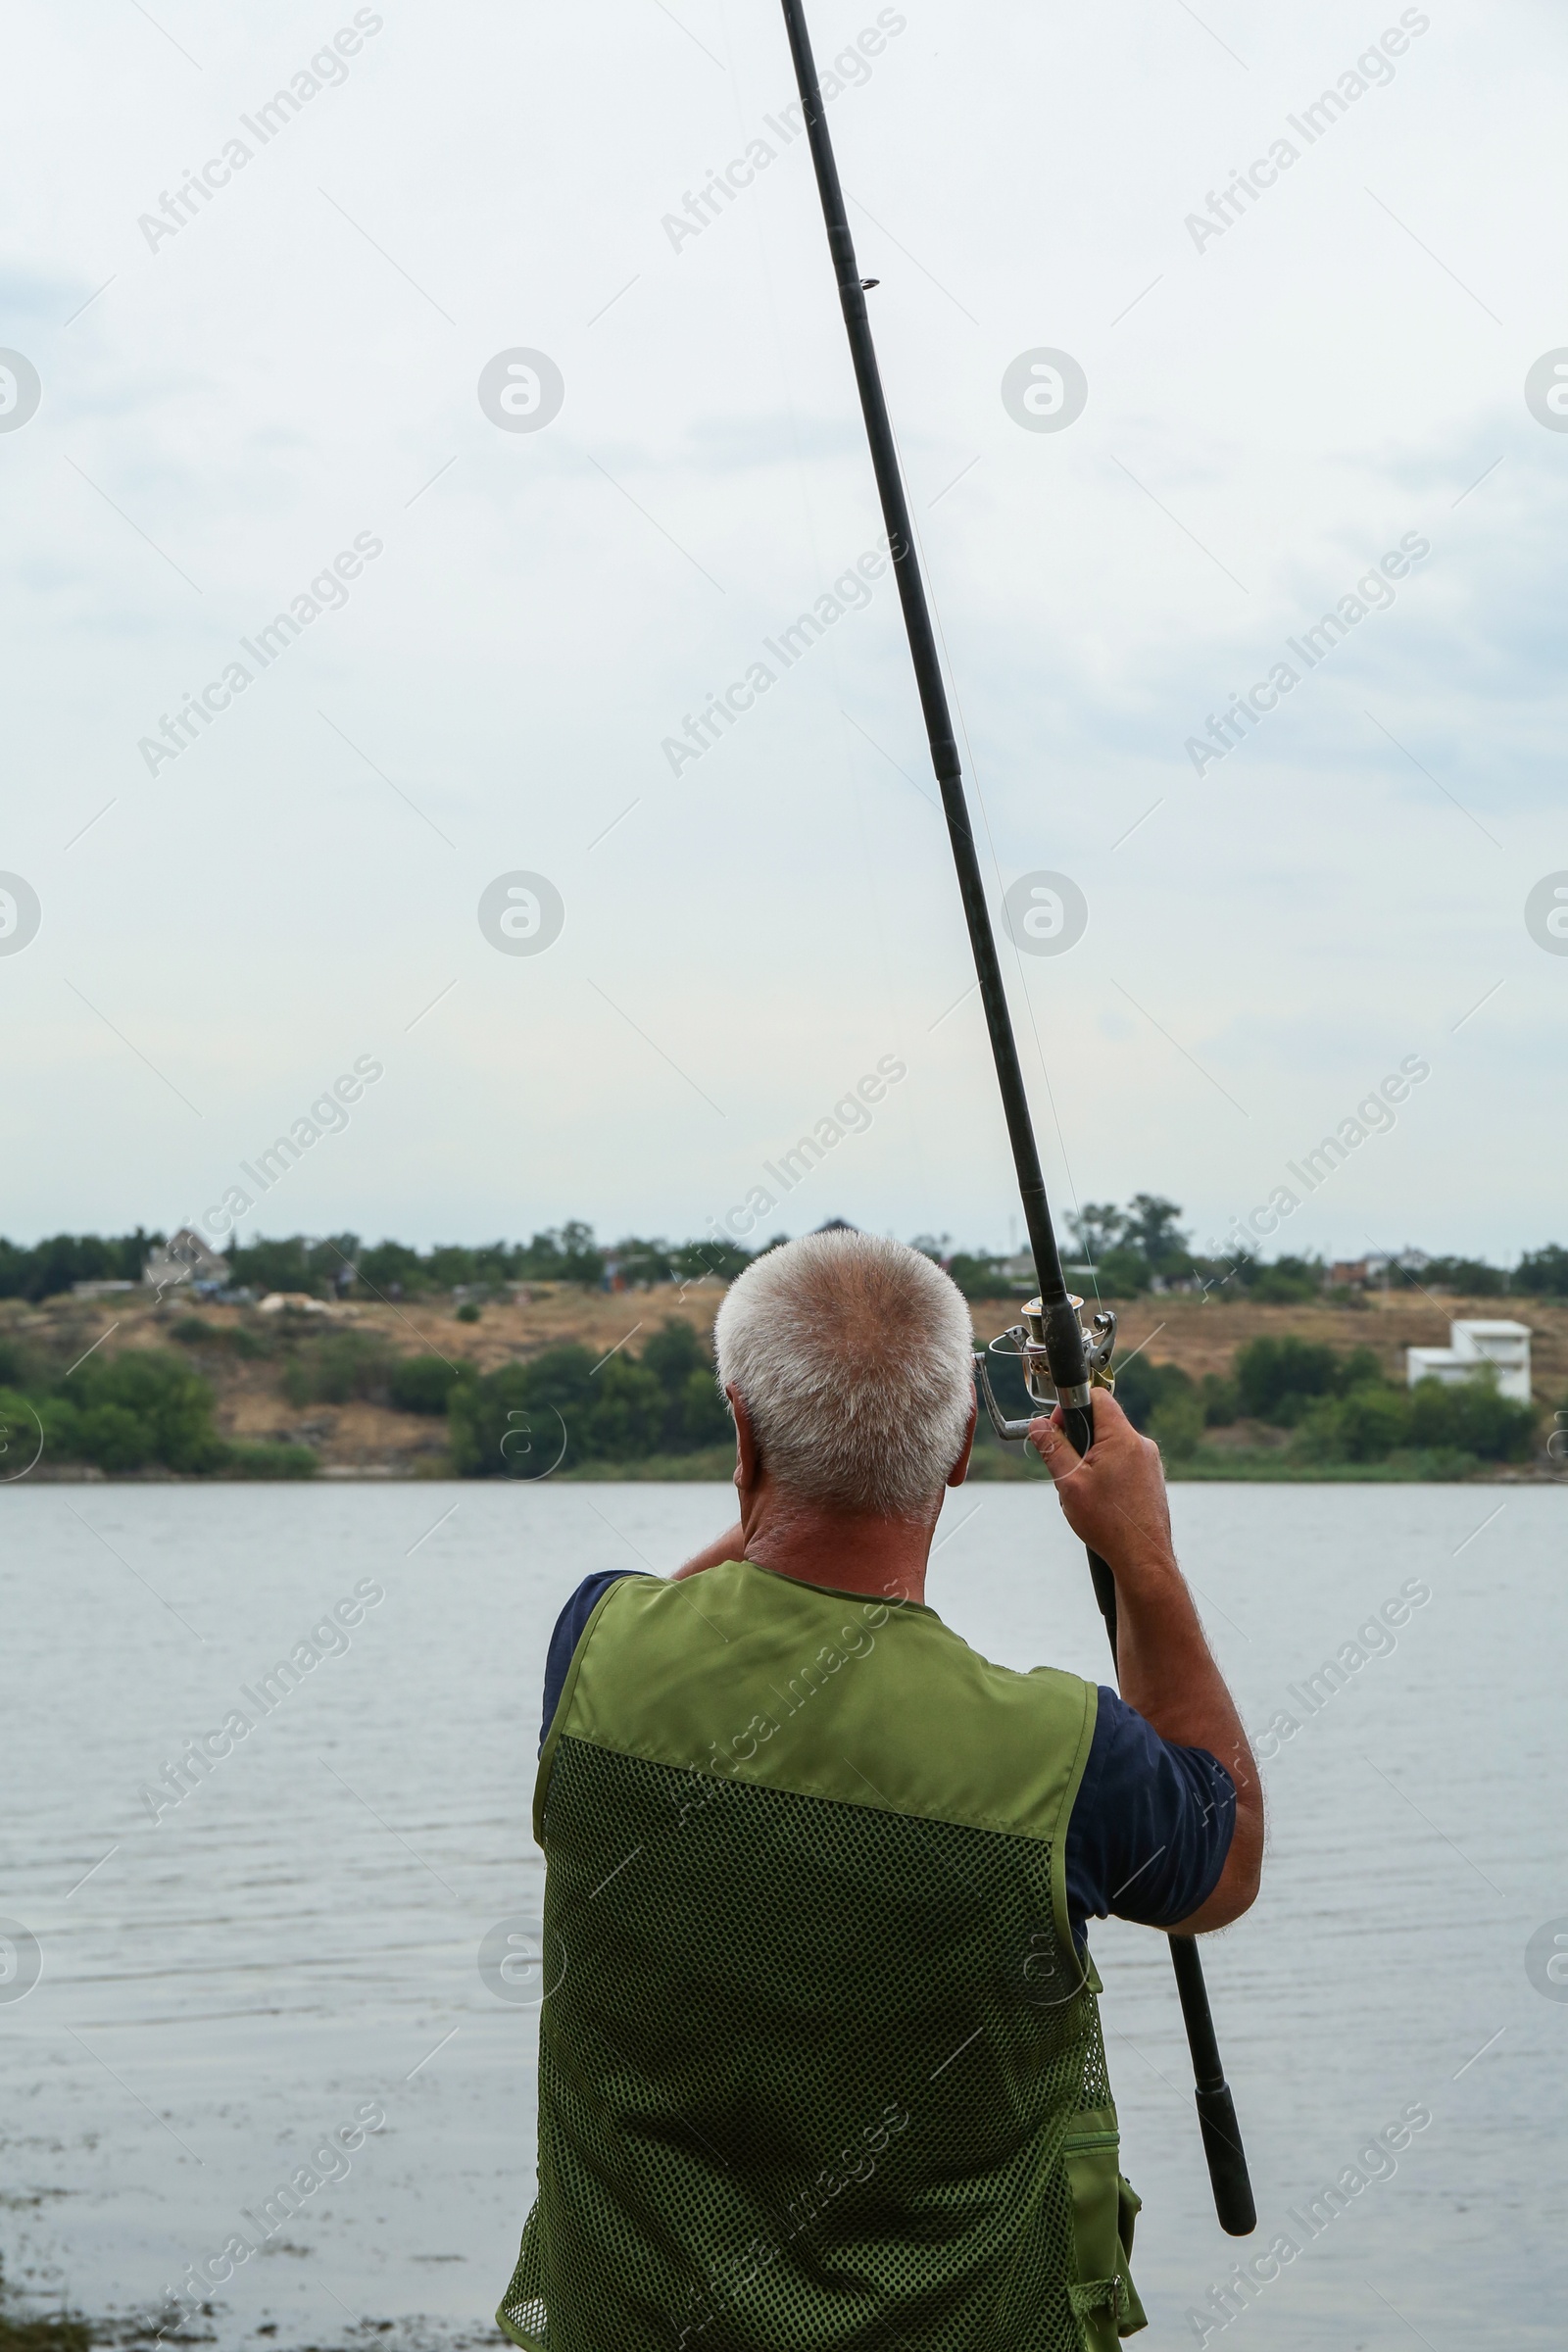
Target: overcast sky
227, 406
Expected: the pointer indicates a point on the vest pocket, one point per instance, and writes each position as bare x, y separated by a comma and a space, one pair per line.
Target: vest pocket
1105, 2208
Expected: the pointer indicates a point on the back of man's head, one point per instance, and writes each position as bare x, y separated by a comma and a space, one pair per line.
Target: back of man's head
854, 1357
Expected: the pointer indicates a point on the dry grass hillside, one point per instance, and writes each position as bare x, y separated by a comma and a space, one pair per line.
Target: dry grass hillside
369, 1440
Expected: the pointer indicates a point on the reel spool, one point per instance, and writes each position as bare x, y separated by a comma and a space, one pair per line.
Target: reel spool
1026, 1342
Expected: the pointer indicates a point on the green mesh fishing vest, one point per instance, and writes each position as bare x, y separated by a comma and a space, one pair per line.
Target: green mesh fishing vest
819, 2070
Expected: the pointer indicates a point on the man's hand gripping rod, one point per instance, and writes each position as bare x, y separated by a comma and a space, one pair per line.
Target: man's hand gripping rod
1057, 1343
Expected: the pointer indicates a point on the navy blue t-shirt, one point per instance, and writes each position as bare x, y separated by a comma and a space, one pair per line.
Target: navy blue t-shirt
1150, 1825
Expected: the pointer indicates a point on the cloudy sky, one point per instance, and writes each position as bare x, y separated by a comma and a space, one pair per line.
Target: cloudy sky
227, 406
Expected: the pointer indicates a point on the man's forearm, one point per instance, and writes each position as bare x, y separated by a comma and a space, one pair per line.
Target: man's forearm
1167, 1672
1114, 1500
1164, 1664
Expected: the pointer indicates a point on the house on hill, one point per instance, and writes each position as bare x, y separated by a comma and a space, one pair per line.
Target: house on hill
1472, 1348
185, 1258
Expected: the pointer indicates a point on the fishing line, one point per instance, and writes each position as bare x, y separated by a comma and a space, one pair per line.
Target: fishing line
972, 777
892, 991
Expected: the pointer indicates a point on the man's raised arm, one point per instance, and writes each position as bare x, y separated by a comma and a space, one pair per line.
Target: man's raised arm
1114, 1502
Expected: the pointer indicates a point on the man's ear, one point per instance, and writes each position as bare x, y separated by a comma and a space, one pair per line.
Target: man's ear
961, 1468
747, 1453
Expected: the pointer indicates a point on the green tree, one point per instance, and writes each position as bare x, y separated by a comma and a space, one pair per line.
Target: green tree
979, 1276
642, 1261
1176, 1424
1544, 1272
116, 1438
1123, 1272
449, 1265
423, 1384
513, 1422
693, 1262
564, 1254
1149, 1226
1142, 1389
1471, 1414
1464, 1277
1276, 1378
173, 1403
1096, 1228
1361, 1369
1365, 1426
626, 1414
281, 1265
48, 1268
392, 1269
704, 1418
673, 1351
1285, 1282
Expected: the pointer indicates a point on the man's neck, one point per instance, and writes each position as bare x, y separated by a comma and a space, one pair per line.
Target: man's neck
846, 1553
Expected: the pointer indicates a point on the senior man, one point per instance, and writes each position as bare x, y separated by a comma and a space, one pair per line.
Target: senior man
820, 2064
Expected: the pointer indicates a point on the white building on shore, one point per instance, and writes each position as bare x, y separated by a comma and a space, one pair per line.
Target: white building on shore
184, 1257
1471, 1347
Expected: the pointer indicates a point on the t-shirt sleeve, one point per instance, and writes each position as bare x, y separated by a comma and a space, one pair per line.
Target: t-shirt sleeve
1151, 1826
569, 1628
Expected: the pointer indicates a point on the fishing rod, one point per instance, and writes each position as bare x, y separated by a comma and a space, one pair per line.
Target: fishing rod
1052, 1341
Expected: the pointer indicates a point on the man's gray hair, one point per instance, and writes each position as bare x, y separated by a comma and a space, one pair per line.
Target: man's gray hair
854, 1356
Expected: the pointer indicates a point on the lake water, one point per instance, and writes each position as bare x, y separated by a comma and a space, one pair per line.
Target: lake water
298, 1938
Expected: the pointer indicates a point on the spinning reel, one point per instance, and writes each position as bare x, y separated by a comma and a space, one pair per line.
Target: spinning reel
1026, 1341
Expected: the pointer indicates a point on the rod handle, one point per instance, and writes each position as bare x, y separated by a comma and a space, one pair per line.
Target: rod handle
1217, 2110
1228, 2175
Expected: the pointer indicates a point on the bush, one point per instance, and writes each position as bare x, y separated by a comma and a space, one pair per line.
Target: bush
695, 1413
705, 1417
270, 1461
1367, 1426
62, 1429
625, 1413
18, 1432
423, 1384
172, 1404
1274, 1378
1142, 1387
1221, 1401
116, 1438
509, 1423
673, 1351
467, 1312
1452, 1428
1287, 1281
332, 1371
1472, 1416
1176, 1424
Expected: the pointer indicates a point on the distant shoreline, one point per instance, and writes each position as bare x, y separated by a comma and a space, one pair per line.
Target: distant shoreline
287, 1397
696, 1470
